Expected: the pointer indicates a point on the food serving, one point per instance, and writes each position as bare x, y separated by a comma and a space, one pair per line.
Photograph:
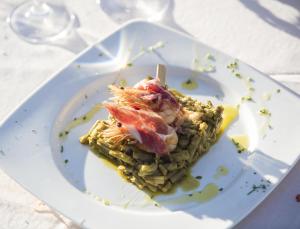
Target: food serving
154, 134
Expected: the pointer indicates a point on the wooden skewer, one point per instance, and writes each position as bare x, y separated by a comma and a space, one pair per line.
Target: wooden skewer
161, 73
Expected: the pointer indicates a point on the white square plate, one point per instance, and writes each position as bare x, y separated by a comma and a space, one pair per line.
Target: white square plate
78, 184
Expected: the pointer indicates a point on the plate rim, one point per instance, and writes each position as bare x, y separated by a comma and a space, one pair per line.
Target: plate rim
170, 29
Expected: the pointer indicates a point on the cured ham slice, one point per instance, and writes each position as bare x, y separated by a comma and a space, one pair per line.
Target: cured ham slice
145, 126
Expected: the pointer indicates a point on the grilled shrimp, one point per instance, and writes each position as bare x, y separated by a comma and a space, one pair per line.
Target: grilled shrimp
116, 134
150, 95
148, 128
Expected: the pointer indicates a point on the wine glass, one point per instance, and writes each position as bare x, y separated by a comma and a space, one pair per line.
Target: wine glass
124, 10
41, 21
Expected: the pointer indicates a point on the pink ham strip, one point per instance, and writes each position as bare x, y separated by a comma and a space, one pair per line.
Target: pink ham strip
146, 124
130, 116
153, 86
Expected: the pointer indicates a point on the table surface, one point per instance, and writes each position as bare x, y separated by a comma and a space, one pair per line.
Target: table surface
265, 34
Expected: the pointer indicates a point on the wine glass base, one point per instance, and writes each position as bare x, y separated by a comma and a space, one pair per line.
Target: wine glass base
124, 10
40, 22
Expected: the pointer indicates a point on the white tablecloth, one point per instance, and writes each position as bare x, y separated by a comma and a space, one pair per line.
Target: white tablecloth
265, 34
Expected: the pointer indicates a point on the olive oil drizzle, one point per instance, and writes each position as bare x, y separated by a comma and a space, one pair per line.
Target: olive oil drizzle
77, 121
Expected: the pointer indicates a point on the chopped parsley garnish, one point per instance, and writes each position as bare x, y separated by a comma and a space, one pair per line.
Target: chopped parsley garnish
100, 54
264, 111
257, 187
239, 147
60, 135
84, 117
61, 148
249, 79
203, 68
198, 177
190, 194
129, 64
66, 161
66, 132
233, 66
78, 66
208, 56
188, 81
247, 98
149, 78
238, 75
220, 189
106, 202
209, 68
278, 90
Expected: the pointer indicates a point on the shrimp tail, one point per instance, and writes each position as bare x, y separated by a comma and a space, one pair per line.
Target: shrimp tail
132, 97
